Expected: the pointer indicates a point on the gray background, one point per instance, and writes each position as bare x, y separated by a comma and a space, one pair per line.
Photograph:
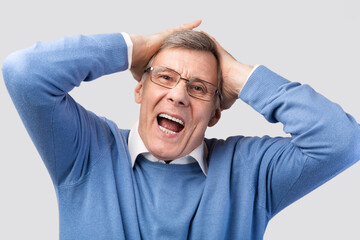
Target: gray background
314, 42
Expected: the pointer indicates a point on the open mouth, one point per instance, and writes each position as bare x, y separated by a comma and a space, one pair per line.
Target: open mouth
169, 124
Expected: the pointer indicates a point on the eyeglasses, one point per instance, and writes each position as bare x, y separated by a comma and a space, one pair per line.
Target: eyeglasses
169, 78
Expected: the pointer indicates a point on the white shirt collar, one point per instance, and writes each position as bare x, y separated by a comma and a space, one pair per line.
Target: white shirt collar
136, 147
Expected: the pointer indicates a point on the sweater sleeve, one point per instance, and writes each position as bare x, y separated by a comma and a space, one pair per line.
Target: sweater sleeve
38, 80
324, 139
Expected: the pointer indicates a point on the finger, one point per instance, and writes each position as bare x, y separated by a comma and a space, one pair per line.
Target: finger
185, 26
222, 51
212, 38
190, 25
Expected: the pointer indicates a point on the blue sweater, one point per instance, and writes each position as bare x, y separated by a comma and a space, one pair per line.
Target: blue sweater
100, 196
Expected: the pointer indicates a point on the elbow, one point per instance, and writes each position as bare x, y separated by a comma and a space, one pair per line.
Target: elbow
16, 70
353, 146
14, 66
347, 149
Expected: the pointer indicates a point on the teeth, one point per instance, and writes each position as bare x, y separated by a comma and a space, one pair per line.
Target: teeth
166, 130
171, 118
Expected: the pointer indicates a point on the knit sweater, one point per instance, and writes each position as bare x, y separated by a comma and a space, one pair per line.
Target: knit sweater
100, 195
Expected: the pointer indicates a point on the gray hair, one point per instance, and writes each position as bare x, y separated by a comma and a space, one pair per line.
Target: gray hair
193, 40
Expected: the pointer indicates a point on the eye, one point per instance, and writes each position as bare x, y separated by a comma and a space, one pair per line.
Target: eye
165, 77
198, 88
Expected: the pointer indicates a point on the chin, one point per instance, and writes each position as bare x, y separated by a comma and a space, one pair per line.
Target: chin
161, 155
165, 153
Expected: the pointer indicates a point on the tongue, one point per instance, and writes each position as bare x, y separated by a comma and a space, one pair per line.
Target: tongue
171, 125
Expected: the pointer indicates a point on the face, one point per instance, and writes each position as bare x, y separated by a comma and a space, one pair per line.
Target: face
165, 109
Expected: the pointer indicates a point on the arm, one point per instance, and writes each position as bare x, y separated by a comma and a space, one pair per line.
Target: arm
324, 139
39, 79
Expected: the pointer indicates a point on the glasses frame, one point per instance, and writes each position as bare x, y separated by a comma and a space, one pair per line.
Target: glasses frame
149, 69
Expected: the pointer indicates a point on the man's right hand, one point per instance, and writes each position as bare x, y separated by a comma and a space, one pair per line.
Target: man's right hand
145, 46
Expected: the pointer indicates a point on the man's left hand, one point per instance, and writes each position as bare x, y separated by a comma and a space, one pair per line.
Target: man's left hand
234, 76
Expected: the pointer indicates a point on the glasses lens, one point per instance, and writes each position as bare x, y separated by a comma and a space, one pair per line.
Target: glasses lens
201, 89
164, 77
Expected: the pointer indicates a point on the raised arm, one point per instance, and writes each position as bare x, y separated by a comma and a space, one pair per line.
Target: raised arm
324, 139
39, 79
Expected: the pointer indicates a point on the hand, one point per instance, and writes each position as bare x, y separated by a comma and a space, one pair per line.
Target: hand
145, 46
234, 75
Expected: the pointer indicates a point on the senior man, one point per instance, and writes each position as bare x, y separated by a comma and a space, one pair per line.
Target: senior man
162, 179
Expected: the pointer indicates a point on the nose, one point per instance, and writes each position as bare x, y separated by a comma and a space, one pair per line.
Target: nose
178, 95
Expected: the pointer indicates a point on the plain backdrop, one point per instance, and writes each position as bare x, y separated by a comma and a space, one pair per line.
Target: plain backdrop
313, 42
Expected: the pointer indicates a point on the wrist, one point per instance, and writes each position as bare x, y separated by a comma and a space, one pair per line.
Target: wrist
244, 74
137, 50
241, 73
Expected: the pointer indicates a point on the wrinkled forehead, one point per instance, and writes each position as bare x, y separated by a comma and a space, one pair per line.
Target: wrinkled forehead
189, 63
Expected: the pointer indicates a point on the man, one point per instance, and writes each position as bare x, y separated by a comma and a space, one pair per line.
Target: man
162, 179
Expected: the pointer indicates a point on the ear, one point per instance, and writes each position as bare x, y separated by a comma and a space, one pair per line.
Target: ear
138, 92
215, 118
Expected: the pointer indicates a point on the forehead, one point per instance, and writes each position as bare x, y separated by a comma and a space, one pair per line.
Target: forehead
189, 63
